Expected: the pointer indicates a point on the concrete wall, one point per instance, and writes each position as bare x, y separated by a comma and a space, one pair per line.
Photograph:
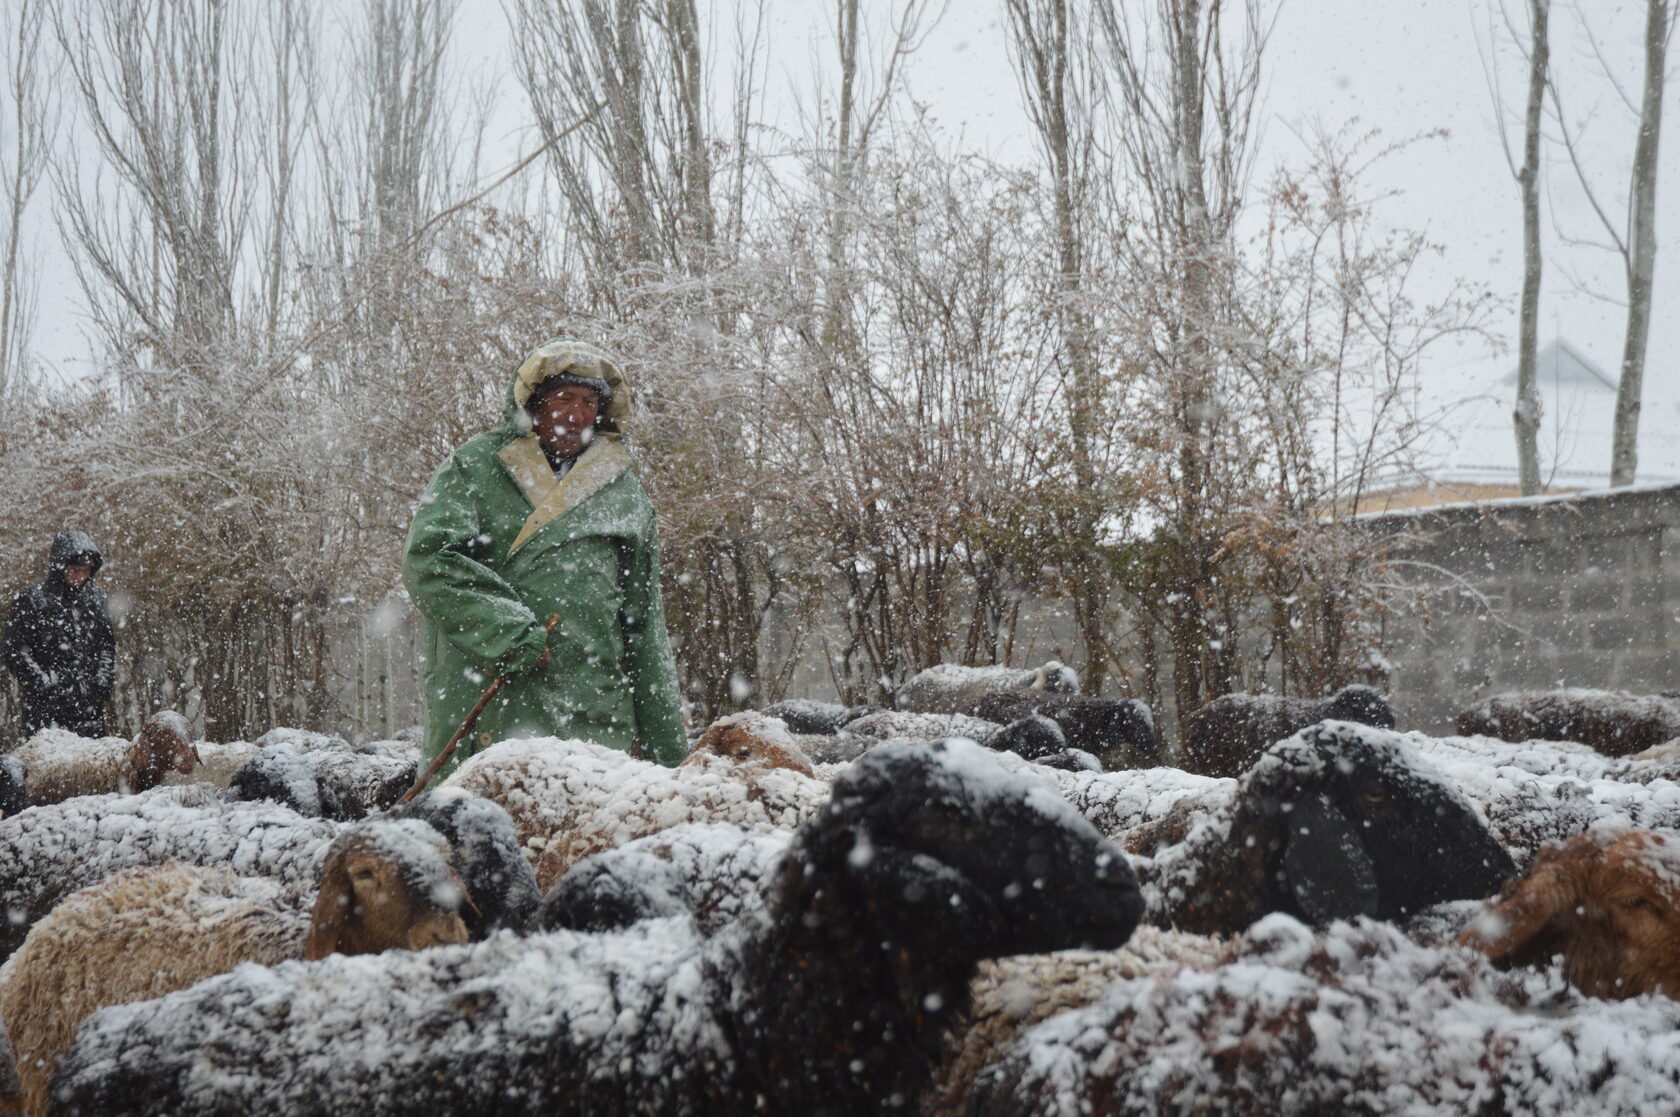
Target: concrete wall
1579, 591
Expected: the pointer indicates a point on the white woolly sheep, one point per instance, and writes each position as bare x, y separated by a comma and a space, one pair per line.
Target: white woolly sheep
48, 852
950, 688
1353, 1020
1336, 821
927, 860
1012, 994
59, 764
1227, 735
1607, 900
338, 783
385, 885
1614, 723
569, 799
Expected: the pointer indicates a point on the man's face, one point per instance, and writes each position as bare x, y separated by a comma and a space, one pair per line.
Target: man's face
565, 420
76, 575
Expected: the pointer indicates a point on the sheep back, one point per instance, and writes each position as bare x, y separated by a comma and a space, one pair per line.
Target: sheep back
135, 936
1227, 735
1614, 723
1119, 732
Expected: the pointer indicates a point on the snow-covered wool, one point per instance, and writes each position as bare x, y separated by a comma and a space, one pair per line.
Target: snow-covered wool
1607, 900
59, 764
1119, 732
1613, 722
333, 782
750, 737
484, 850
950, 688
806, 715
1227, 735
1534, 792
1121, 803
1356, 1019
14, 790
1012, 994
48, 852
715, 872
569, 799
1336, 821
151, 931
903, 725
835, 1000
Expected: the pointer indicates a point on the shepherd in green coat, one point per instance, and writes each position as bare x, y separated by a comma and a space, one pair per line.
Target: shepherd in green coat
544, 516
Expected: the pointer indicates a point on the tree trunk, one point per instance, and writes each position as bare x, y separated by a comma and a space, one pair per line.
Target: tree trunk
1624, 457
1526, 415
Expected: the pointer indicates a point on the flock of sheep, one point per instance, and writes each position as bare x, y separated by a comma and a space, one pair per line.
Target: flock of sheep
996, 898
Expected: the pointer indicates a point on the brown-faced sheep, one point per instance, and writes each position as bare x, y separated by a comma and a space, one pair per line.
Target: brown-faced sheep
60, 765
1607, 900
1613, 722
569, 799
832, 1000
950, 688
1225, 737
148, 932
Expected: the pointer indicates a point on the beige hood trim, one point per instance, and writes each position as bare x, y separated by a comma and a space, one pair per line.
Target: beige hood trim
552, 497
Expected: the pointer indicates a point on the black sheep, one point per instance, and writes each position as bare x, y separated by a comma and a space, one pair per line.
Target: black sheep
806, 715
834, 1000
484, 852
1226, 736
1336, 821
1119, 732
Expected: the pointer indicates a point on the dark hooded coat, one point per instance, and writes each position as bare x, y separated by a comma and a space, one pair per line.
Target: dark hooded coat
59, 647
499, 543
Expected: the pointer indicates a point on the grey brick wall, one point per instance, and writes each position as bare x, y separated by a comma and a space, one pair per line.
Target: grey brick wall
1581, 591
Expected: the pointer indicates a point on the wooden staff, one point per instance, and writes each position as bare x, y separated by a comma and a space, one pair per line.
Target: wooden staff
466, 726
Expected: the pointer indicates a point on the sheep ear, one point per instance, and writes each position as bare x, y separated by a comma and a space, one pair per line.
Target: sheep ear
1510, 924
921, 899
1328, 870
331, 912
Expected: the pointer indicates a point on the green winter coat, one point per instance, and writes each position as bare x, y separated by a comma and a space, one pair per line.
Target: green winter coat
499, 544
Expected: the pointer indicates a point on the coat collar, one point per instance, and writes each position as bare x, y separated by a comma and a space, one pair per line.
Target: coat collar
553, 497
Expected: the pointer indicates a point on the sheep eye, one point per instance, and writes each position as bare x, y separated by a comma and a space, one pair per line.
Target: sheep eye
1374, 795
1632, 902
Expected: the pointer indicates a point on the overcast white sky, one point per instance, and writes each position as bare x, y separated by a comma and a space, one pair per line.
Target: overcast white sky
1405, 67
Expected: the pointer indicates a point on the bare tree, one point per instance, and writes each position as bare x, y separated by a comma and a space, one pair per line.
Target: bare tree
29, 129
1642, 220
1633, 238
1052, 54
1186, 77
1526, 415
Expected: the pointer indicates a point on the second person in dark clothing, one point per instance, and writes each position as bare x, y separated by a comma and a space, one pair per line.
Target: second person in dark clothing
58, 642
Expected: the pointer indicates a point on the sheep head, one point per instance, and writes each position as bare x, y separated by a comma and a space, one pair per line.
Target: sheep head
1360, 703
161, 747
750, 737
951, 856
386, 885
484, 850
1350, 821
1608, 900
